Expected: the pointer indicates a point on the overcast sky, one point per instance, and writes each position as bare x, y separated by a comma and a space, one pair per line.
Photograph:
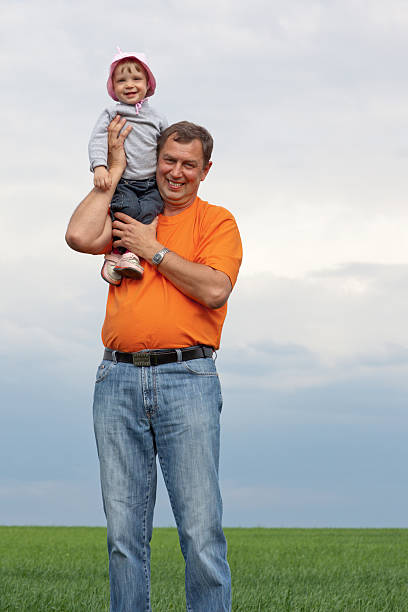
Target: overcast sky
307, 102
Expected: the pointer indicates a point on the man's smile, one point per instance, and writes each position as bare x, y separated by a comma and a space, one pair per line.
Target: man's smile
174, 185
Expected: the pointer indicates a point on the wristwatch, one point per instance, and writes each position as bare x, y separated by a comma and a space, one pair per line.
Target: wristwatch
158, 257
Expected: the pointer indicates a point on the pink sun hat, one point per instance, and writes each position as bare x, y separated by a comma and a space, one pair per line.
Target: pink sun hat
141, 58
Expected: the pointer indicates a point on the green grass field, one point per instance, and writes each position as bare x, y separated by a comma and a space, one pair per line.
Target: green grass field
65, 570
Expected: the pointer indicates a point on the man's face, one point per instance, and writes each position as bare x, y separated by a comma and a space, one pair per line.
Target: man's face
129, 82
180, 171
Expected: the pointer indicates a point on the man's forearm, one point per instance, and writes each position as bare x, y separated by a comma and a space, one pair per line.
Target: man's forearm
200, 282
90, 227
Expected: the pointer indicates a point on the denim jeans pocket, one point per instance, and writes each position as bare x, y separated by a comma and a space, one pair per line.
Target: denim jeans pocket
103, 370
201, 367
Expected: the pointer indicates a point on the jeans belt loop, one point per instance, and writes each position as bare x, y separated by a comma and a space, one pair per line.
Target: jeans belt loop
179, 355
115, 361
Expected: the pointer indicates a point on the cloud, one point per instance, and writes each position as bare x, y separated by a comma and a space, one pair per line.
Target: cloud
336, 324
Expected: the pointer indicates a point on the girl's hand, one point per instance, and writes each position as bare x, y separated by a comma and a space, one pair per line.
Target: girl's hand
102, 178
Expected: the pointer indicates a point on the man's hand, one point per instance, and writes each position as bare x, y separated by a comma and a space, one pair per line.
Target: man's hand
102, 178
135, 236
117, 134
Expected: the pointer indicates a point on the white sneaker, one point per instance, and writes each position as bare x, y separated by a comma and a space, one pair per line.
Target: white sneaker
108, 269
129, 266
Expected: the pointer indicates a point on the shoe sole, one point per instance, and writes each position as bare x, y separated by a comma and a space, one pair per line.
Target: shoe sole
134, 273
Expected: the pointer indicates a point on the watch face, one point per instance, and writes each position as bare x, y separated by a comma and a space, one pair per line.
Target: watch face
157, 257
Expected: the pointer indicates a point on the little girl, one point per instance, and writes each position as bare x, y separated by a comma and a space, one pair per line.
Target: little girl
130, 84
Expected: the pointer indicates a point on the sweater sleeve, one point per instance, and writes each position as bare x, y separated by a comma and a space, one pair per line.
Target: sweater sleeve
98, 142
163, 124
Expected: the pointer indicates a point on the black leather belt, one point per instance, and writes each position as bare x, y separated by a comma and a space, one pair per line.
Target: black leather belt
149, 358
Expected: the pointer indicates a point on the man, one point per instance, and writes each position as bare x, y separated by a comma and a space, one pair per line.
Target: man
157, 389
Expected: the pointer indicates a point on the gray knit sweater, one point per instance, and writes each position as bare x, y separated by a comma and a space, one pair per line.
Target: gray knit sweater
140, 145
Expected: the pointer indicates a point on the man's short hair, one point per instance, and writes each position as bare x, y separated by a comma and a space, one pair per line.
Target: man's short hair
186, 132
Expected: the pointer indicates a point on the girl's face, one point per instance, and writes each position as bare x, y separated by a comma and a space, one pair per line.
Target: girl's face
129, 82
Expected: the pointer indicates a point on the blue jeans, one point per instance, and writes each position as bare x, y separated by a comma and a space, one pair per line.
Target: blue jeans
138, 199
172, 410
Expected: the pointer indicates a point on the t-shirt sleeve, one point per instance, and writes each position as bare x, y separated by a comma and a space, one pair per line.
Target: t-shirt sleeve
220, 244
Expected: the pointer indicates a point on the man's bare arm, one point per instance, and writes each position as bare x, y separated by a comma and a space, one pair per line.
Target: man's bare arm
90, 227
200, 282
204, 284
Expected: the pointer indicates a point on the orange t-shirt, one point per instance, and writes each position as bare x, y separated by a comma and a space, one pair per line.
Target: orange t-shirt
152, 313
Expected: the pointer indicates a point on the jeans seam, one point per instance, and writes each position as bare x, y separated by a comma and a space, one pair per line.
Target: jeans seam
106, 372
145, 545
192, 371
166, 480
143, 378
154, 381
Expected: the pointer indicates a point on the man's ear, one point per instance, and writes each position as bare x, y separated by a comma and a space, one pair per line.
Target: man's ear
206, 170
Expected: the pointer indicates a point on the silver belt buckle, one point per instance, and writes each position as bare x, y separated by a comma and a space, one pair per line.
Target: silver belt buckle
141, 359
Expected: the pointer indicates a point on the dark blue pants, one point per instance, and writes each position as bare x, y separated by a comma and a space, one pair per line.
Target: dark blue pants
139, 199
